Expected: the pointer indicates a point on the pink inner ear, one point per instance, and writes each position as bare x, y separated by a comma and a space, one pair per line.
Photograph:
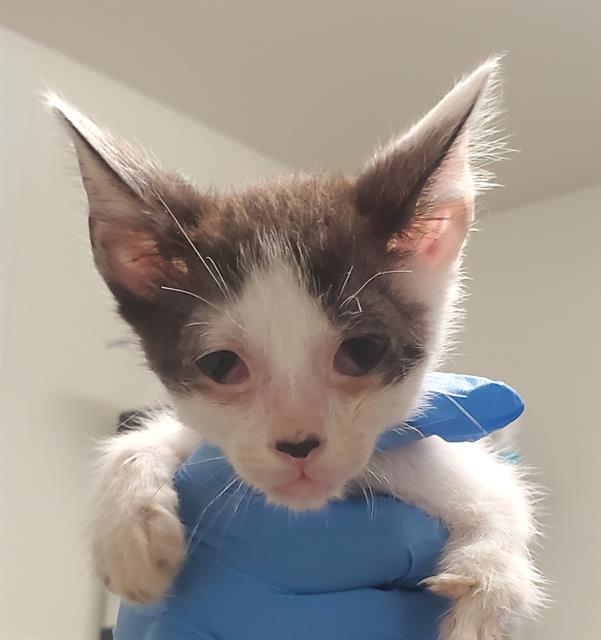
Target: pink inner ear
132, 260
440, 240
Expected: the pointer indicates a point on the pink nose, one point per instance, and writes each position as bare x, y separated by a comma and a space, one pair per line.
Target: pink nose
298, 449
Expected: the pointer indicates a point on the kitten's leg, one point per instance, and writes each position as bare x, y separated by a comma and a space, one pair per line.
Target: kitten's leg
138, 540
485, 568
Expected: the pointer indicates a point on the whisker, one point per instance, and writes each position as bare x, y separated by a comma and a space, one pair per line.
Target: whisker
189, 293
191, 464
131, 416
195, 295
380, 479
408, 427
233, 481
367, 503
348, 275
231, 317
191, 549
227, 502
373, 502
362, 490
239, 493
377, 275
353, 313
194, 531
218, 271
242, 496
248, 494
187, 237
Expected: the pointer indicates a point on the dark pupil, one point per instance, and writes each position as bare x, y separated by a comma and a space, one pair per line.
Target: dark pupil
365, 353
218, 364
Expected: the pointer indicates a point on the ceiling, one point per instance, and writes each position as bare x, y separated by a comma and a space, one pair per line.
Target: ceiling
321, 83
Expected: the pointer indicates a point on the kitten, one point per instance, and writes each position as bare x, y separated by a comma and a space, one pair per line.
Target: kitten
293, 322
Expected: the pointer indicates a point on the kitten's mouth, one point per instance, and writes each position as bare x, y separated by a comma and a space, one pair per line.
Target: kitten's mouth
301, 493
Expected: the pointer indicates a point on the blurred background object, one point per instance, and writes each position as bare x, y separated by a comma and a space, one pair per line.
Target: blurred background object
232, 92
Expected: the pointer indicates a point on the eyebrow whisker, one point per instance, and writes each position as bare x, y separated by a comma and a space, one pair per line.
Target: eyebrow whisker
196, 251
189, 293
371, 279
346, 279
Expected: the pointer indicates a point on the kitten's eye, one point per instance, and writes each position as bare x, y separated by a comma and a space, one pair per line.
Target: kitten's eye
224, 367
357, 356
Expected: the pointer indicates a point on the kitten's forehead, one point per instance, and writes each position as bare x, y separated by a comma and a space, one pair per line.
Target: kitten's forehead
280, 319
313, 219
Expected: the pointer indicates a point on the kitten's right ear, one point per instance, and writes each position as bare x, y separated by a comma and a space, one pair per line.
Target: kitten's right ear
137, 246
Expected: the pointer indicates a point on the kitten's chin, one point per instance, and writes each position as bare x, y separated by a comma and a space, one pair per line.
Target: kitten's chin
303, 494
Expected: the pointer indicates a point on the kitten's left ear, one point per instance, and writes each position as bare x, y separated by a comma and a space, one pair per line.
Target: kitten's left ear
419, 191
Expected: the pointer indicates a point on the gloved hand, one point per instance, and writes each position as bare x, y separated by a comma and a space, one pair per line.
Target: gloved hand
349, 572
257, 572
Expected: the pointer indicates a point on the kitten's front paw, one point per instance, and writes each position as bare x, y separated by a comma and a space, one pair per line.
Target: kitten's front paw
473, 614
488, 590
139, 547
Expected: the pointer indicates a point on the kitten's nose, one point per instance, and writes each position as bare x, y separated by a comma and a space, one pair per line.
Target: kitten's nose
298, 449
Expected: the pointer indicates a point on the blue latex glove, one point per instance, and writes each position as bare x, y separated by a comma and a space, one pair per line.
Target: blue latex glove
259, 573
349, 572
460, 408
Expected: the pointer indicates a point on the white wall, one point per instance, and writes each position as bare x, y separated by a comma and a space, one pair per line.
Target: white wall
61, 387
534, 320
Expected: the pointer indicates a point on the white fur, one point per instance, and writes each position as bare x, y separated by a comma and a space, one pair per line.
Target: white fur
137, 537
486, 507
288, 344
280, 319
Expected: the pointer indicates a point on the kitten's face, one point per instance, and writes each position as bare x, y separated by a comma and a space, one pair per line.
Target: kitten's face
307, 343
292, 322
